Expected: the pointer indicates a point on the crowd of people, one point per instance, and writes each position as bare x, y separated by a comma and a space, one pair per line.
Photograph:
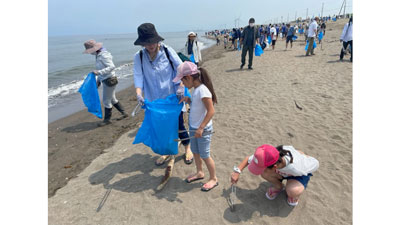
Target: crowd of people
159, 71
268, 34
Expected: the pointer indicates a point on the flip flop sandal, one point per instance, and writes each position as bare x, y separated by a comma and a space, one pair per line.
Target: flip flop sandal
208, 189
163, 161
187, 161
273, 195
291, 201
193, 180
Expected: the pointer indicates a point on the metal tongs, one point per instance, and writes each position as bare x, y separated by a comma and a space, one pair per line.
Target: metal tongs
136, 110
232, 197
191, 137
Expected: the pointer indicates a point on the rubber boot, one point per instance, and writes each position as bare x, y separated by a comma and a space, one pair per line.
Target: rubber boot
121, 109
107, 117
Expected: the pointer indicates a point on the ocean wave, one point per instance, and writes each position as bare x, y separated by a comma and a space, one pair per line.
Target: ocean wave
66, 89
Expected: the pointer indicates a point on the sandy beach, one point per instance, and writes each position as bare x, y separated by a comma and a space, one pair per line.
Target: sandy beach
96, 175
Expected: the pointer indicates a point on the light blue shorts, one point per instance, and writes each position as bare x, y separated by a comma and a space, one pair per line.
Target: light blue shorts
201, 145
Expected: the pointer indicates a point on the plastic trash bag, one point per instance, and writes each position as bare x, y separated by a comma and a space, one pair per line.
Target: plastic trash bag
314, 45
269, 40
294, 37
90, 95
192, 58
320, 35
258, 51
160, 125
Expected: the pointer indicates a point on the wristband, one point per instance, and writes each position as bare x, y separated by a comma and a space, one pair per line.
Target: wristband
237, 170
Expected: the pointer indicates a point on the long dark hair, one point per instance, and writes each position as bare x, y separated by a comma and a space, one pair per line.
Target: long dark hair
205, 79
282, 153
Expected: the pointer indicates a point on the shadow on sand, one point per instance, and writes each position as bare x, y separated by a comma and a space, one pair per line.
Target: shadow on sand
86, 126
255, 201
141, 165
234, 70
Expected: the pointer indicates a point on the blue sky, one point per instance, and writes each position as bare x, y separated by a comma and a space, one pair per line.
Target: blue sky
75, 17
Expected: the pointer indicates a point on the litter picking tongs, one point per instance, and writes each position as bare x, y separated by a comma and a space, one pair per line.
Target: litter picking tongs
136, 110
184, 139
232, 197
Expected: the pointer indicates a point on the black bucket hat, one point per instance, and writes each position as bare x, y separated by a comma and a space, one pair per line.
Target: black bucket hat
147, 35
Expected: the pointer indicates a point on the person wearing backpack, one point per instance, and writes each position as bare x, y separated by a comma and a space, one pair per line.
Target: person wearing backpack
154, 68
193, 48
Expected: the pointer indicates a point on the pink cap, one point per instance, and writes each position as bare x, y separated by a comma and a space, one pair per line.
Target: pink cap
264, 156
185, 69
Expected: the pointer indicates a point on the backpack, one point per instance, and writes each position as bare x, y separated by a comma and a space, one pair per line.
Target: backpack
166, 52
183, 57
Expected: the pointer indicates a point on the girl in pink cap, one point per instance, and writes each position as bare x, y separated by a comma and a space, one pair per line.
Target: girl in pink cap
277, 164
200, 122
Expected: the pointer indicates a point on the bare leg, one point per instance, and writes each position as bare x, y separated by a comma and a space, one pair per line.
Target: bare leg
211, 169
294, 188
188, 152
199, 167
273, 178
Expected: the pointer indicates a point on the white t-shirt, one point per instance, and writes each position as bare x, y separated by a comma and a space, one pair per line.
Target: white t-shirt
312, 28
273, 31
301, 166
349, 35
198, 110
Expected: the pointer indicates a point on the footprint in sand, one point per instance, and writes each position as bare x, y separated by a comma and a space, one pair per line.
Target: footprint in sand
336, 137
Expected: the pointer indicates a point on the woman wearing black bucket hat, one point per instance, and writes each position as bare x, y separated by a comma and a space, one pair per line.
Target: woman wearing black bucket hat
154, 68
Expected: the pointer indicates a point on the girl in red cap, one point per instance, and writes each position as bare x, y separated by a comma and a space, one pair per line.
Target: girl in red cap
200, 122
277, 164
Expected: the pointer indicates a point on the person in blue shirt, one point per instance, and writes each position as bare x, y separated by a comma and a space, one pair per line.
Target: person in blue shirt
290, 35
154, 68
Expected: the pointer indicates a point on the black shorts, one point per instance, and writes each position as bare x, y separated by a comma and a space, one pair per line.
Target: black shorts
289, 38
273, 42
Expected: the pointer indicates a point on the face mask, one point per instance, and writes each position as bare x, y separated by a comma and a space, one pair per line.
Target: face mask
251, 24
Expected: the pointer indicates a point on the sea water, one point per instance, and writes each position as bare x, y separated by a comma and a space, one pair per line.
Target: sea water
68, 67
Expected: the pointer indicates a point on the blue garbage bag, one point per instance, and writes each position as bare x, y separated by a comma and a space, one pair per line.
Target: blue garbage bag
160, 125
334, 19
258, 51
320, 35
294, 37
301, 31
314, 45
238, 45
192, 58
269, 40
90, 95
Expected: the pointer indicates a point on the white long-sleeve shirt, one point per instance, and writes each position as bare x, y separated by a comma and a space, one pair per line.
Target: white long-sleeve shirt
349, 35
105, 65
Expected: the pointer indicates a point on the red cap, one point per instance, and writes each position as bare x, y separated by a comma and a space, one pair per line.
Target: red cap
264, 156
